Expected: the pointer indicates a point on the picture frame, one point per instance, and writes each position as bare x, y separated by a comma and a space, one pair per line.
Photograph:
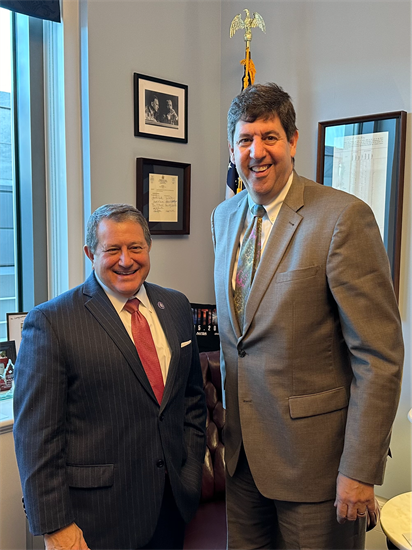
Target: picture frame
163, 195
14, 327
160, 109
7, 356
365, 156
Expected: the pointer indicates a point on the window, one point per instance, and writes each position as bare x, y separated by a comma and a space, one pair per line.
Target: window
8, 240
23, 215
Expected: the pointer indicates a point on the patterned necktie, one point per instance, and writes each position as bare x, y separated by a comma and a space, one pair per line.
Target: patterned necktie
146, 349
249, 257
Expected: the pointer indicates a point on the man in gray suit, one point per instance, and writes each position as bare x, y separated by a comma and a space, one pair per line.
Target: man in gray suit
312, 350
105, 460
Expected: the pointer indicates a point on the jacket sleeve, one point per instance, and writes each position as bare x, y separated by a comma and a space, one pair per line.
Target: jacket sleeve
359, 278
39, 426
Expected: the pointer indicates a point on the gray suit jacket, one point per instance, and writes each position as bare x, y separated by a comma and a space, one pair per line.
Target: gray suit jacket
313, 382
92, 442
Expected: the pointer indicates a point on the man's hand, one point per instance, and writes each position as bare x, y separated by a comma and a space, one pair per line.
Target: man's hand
353, 499
68, 538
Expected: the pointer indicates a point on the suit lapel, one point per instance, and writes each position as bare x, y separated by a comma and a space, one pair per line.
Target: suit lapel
234, 229
282, 232
99, 305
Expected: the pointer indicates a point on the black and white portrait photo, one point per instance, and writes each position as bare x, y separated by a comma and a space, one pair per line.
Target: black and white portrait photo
161, 109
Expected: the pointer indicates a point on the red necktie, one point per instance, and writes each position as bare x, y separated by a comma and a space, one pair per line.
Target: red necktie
145, 348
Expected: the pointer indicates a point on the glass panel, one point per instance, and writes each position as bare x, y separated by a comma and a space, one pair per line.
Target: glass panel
8, 268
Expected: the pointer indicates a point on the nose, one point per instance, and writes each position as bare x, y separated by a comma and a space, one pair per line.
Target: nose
257, 149
125, 258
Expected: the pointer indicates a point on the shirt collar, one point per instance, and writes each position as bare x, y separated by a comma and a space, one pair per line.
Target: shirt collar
273, 207
118, 301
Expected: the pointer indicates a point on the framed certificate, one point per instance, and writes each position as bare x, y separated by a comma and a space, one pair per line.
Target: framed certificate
163, 195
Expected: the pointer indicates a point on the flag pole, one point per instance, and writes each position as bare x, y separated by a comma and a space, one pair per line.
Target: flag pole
234, 182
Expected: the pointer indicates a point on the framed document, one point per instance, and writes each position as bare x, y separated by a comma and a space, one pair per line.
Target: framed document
163, 195
365, 156
14, 327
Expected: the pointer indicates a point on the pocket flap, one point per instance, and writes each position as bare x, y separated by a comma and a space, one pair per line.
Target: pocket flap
328, 401
90, 476
296, 274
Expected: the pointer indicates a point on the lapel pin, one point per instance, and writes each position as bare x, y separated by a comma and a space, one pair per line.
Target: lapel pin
160, 305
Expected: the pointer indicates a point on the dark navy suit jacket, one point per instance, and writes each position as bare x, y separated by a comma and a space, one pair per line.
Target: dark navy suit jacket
92, 442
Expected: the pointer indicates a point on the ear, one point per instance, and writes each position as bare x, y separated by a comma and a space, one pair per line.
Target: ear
88, 253
231, 152
293, 144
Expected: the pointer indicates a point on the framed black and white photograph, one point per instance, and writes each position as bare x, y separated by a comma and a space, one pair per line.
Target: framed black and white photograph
160, 108
365, 156
14, 327
163, 195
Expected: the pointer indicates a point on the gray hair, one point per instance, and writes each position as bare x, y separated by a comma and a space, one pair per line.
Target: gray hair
262, 101
118, 213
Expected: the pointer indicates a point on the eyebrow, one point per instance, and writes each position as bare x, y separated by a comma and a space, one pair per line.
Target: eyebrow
116, 245
265, 134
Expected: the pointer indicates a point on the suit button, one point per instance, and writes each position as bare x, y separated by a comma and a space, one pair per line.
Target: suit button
161, 417
241, 353
160, 463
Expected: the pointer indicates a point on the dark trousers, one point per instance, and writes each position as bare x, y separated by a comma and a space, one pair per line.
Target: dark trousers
170, 530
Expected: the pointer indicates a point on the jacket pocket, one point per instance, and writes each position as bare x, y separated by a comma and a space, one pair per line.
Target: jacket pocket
90, 476
296, 274
301, 406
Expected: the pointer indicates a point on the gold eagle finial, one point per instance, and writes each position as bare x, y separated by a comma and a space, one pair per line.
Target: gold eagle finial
248, 24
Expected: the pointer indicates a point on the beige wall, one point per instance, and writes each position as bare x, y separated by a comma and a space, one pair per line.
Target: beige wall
12, 518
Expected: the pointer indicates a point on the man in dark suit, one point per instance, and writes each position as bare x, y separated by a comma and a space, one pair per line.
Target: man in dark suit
107, 458
311, 340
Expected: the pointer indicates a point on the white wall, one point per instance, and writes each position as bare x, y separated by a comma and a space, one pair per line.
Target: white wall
337, 59
177, 41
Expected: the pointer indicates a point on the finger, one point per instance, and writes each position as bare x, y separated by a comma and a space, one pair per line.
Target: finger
372, 506
341, 510
352, 513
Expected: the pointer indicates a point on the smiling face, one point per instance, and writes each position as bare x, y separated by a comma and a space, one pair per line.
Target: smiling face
121, 259
263, 157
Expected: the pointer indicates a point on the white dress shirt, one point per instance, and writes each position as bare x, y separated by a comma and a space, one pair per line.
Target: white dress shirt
268, 220
146, 309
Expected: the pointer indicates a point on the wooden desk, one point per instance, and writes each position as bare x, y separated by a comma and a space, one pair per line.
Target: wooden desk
396, 521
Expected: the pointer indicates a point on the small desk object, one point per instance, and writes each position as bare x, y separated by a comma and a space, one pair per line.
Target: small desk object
396, 521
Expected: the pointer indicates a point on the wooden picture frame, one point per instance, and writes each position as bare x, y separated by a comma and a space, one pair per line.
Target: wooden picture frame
163, 195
